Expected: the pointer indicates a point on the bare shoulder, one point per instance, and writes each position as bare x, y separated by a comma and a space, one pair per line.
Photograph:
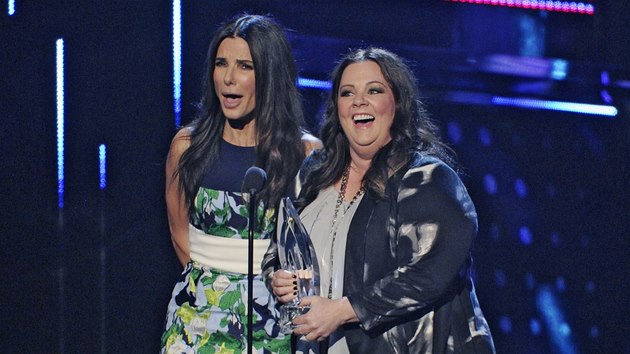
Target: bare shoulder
310, 143
181, 141
179, 144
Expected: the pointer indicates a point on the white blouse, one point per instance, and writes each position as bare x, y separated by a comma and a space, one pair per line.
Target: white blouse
317, 218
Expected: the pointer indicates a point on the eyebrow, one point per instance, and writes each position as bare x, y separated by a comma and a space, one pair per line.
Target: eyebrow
366, 84
238, 61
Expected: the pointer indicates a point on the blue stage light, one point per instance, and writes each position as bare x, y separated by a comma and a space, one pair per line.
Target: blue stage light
576, 7
584, 108
454, 132
485, 138
525, 235
530, 281
102, 166
534, 326
556, 240
177, 61
558, 330
594, 332
313, 83
559, 69
60, 121
495, 232
490, 184
505, 324
590, 287
11, 7
520, 187
561, 284
500, 278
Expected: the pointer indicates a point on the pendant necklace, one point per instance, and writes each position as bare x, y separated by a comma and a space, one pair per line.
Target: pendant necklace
333, 226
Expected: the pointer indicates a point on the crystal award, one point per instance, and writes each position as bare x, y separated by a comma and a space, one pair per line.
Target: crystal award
297, 256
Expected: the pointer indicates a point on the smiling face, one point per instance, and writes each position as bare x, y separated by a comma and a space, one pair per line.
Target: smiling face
366, 108
234, 79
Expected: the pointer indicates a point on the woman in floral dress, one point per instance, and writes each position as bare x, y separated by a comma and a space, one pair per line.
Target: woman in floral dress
250, 114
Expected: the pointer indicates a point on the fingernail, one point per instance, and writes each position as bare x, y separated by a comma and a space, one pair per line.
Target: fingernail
295, 293
294, 276
295, 288
295, 282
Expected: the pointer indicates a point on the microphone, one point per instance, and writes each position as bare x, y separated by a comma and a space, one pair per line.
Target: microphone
253, 182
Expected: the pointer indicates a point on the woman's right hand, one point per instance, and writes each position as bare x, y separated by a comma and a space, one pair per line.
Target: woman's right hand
284, 285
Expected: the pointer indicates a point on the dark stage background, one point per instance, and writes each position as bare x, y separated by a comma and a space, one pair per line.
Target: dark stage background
551, 188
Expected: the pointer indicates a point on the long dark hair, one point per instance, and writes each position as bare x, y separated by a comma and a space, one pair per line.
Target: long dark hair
412, 130
278, 112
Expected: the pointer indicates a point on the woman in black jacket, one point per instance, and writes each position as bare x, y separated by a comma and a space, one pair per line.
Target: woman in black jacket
391, 223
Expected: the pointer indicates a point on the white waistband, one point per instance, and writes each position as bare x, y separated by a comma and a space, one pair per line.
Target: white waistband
227, 254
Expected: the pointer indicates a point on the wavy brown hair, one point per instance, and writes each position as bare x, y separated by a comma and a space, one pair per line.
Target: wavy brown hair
412, 130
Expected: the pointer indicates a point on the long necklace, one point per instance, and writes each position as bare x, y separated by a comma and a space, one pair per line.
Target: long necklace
333, 226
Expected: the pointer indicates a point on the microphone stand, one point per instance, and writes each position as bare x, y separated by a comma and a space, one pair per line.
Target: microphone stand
254, 180
250, 269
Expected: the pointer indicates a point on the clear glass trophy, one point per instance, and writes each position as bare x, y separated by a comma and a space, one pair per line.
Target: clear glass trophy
297, 255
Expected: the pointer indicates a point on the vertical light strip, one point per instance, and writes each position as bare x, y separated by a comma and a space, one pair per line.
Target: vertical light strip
60, 123
102, 171
177, 60
11, 7
558, 329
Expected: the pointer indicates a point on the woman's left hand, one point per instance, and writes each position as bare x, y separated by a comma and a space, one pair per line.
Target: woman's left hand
324, 317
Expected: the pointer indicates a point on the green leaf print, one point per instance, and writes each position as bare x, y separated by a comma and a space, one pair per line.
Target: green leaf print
199, 201
229, 299
224, 322
227, 341
208, 279
280, 346
205, 346
221, 230
171, 333
212, 194
222, 213
241, 309
186, 313
242, 210
194, 275
206, 349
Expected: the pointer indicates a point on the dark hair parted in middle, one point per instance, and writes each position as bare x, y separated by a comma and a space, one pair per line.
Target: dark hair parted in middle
279, 117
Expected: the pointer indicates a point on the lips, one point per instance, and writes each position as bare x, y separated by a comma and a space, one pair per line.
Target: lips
231, 100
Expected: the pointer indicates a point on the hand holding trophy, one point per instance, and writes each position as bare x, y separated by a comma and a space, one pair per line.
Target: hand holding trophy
297, 256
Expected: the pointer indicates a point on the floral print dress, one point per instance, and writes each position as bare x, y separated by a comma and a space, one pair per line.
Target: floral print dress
207, 312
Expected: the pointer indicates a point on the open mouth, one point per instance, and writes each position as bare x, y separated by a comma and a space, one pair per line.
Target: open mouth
231, 96
362, 119
231, 100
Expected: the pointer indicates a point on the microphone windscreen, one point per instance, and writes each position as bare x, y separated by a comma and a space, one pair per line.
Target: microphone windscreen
254, 180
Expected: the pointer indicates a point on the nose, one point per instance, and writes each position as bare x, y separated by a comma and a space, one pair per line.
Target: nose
358, 100
228, 78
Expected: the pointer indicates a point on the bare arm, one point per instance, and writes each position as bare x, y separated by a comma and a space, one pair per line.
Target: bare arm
310, 143
175, 205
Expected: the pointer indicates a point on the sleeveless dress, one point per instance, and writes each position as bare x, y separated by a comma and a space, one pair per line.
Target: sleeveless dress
207, 312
